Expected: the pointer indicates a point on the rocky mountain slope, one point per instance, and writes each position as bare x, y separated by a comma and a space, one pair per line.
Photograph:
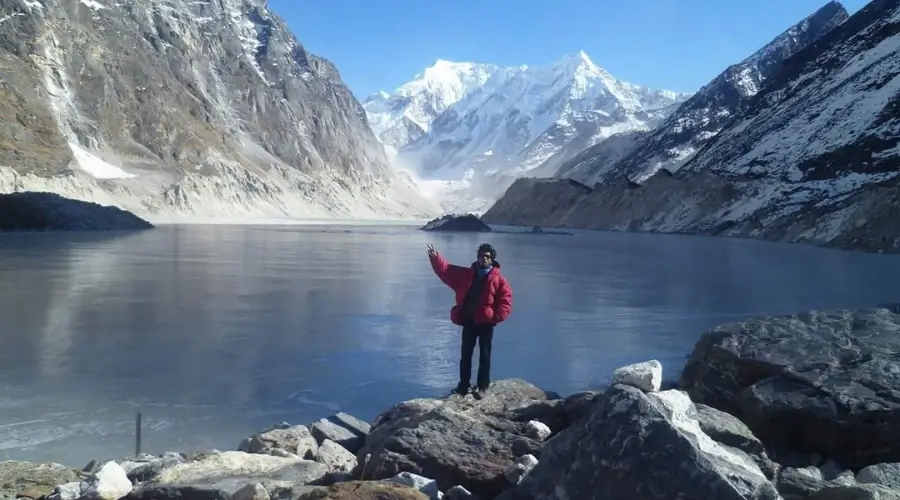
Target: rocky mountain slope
475, 128
185, 108
701, 117
813, 158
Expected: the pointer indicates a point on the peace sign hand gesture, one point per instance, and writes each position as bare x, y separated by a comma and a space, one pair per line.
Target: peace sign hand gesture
431, 251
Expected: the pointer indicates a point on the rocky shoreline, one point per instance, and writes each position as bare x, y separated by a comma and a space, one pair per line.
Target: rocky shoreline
794, 407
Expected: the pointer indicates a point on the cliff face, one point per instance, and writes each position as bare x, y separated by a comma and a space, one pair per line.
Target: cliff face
813, 158
177, 107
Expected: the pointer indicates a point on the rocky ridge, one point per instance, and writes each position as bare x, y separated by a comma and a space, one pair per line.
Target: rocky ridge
811, 158
177, 108
789, 407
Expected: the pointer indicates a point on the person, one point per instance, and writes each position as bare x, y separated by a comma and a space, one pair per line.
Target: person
483, 300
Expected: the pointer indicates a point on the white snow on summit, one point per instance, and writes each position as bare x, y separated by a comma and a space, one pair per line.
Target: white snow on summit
468, 130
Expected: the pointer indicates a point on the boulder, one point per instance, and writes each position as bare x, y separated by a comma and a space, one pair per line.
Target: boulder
355, 425
537, 430
458, 493
296, 440
229, 471
365, 490
109, 483
883, 474
642, 445
33, 480
457, 223
325, 429
855, 492
798, 484
818, 382
145, 467
455, 441
336, 457
427, 487
646, 375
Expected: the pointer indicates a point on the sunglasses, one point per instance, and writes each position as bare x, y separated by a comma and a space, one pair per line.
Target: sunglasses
485, 255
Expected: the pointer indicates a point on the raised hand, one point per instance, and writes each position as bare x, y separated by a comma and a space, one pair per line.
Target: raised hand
431, 251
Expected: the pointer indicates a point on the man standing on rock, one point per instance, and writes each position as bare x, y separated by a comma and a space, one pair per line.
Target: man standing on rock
483, 300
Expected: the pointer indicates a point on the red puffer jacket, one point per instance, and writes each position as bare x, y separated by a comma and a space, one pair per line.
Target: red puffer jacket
495, 302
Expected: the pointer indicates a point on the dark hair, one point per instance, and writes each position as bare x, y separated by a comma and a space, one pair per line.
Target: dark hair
488, 249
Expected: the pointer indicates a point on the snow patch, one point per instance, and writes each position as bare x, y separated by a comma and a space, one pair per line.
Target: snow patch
93, 4
96, 167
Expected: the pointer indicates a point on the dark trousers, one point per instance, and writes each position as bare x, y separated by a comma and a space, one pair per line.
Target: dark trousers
483, 335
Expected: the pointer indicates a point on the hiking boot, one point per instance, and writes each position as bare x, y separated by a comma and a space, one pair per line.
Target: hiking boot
461, 389
480, 392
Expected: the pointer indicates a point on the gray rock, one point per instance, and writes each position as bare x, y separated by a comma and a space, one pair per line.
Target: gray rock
537, 430
579, 406
175, 492
730, 431
231, 470
855, 492
297, 440
458, 493
817, 382
551, 412
646, 375
252, 491
845, 478
526, 446
35, 480
455, 441
798, 484
351, 423
326, 429
336, 457
640, 445
425, 485
887, 474
146, 467
517, 471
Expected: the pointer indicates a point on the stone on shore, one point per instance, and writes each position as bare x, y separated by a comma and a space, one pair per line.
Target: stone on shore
335, 457
365, 490
296, 440
642, 445
229, 471
887, 474
455, 441
646, 375
33, 480
825, 382
325, 429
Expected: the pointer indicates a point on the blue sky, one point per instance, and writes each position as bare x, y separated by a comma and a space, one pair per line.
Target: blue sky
673, 44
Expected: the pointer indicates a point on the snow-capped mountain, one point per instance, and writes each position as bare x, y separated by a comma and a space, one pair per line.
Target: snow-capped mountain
489, 125
404, 117
814, 157
701, 117
174, 108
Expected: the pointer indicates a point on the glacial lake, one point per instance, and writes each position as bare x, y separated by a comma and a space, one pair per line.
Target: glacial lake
214, 332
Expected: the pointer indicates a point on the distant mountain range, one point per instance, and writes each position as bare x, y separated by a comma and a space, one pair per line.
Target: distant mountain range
471, 129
